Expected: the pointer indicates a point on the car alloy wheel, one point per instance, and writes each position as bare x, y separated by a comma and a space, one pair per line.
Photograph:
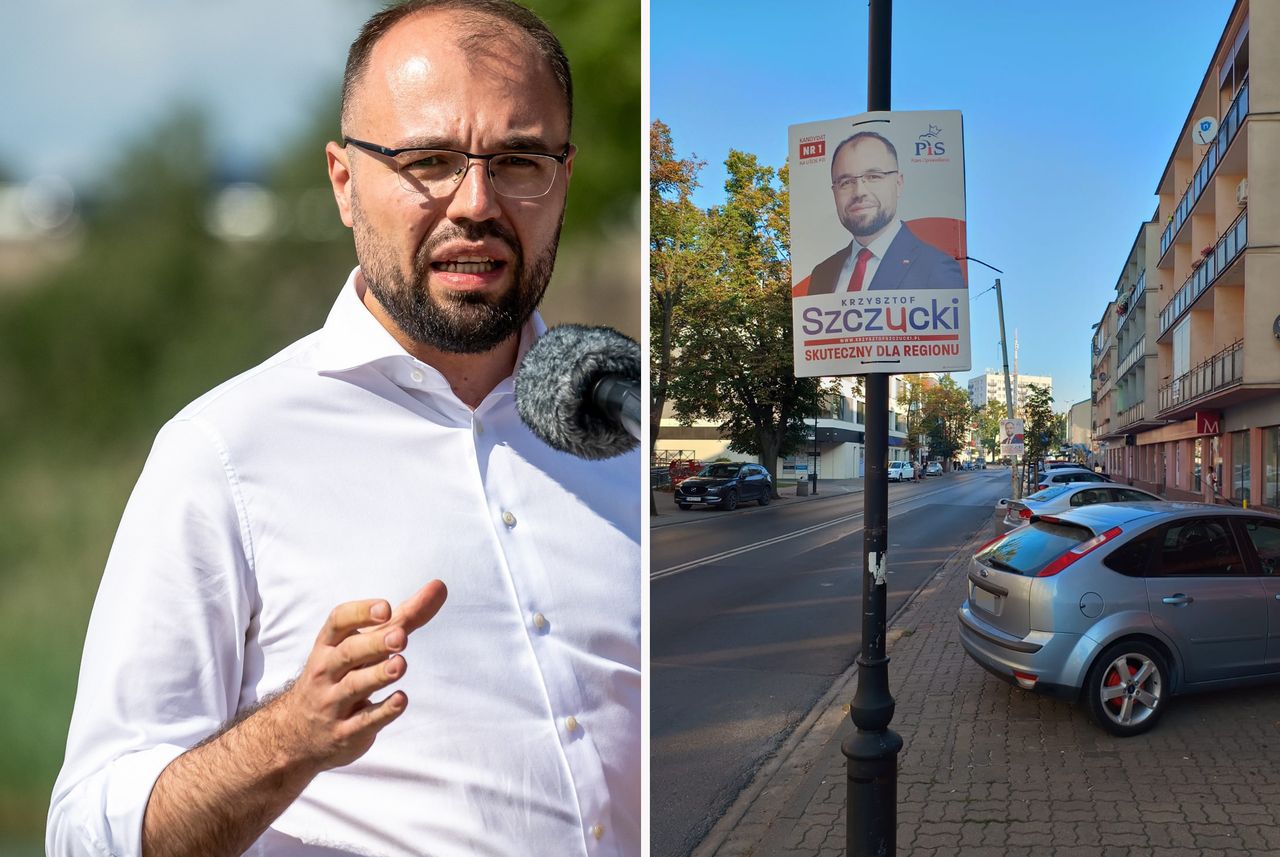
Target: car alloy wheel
1127, 688
730, 501
765, 496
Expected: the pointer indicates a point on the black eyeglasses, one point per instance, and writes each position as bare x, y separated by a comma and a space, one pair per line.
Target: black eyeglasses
436, 172
875, 178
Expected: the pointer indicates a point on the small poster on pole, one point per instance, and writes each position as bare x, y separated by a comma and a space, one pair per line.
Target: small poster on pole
879, 277
1011, 438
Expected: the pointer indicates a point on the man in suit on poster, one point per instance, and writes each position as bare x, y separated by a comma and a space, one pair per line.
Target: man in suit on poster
884, 254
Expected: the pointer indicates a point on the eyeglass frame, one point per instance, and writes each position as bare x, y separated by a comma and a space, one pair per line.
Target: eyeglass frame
560, 160
854, 181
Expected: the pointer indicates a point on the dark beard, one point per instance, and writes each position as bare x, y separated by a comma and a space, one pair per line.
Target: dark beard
878, 222
458, 323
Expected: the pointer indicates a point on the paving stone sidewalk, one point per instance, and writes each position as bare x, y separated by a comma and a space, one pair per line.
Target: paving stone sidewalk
991, 770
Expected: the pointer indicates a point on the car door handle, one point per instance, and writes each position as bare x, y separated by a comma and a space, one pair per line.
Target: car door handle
1178, 599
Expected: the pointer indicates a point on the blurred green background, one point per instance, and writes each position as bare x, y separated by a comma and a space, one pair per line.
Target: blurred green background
172, 271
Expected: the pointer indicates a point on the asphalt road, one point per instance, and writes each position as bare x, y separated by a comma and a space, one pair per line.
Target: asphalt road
753, 615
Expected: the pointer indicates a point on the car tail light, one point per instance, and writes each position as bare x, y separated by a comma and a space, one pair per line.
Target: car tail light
1078, 551
1024, 513
1026, 681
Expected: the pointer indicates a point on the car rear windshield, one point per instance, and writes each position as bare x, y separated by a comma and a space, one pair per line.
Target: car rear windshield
1048, 493
1027, 550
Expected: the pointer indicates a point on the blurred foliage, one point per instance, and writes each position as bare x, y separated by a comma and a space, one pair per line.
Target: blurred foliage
96, 353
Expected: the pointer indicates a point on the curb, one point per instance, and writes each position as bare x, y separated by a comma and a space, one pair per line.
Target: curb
823, 713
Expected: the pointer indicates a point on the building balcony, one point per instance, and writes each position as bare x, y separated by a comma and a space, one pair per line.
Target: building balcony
1231, 124
1132, 356
1131, 416
1202, 384
1131, 300
1229, 248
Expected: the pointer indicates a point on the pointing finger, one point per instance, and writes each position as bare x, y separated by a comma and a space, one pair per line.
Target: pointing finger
421, 607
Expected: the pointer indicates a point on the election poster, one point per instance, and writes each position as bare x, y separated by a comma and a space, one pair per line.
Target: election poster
879, 276
1012, 441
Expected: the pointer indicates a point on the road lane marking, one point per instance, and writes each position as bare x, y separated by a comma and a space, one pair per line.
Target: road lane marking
732, 552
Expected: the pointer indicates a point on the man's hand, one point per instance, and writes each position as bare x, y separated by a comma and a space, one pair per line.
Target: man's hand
326, 716
218, 797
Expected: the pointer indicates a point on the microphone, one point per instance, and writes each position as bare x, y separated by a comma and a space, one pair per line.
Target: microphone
578, 390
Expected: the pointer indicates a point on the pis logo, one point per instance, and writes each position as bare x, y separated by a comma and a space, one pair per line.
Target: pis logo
930, 143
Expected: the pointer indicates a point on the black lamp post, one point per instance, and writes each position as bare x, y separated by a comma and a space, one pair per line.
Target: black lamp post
813, 473
871, 816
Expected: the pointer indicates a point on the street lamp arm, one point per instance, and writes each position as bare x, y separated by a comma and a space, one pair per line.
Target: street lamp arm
982, 263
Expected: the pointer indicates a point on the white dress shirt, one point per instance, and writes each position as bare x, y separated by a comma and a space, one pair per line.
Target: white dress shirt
345, 469
878, 248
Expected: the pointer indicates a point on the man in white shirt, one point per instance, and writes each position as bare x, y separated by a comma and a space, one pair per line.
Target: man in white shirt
866, 182
271, 667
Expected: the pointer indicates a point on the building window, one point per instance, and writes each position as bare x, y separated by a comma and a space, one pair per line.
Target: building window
1197, 450
1240, 466
1177, 464
1271, 466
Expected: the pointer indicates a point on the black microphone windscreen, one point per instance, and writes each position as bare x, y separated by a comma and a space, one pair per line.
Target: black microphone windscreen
554, 389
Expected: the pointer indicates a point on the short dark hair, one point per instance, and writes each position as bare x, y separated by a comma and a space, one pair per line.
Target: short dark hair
505, 11
858, 138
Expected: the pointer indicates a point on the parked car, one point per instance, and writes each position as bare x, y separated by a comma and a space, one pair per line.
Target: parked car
933, 468
900, 471
725, 484
1060, 498
1124, 605
1063, 475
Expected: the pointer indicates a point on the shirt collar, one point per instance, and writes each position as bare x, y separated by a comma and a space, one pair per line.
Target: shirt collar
881, 245
352, 338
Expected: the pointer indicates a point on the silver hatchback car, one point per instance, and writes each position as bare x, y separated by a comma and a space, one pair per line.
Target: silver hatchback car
1123, 605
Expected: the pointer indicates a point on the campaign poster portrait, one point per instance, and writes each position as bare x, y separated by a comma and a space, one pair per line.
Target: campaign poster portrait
1012, 437
879, 277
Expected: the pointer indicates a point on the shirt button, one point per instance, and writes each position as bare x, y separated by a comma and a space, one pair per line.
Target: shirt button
508, 519
571, 723
539, 621
598, 831
416, 376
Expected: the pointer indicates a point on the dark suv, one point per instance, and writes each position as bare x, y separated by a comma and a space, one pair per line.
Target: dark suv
724, 484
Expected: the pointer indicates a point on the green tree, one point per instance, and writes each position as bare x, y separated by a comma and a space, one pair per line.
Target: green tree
947, 418
1041, 426
676, 261
989, 417
910, 400
735, 361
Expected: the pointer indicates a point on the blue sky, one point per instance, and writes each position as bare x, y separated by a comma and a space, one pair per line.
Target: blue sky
1071, 111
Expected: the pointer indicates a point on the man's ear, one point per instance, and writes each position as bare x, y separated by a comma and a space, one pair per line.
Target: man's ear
340, 179
568, 164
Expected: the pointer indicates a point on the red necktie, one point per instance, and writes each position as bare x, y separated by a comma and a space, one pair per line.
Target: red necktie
859, 270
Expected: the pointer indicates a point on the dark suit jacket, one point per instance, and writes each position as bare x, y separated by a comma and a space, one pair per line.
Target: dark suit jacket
909, 263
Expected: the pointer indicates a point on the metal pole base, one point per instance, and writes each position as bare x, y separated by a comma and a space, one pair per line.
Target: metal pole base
872, 793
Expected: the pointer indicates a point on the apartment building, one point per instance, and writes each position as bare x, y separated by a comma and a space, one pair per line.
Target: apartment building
1125, 378
989, 387
1186, 357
